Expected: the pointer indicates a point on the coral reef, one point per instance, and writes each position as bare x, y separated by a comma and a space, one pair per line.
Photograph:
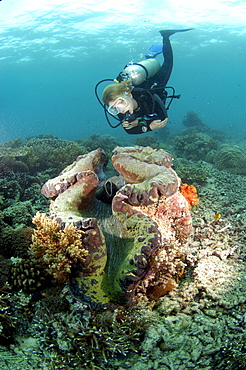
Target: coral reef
196, 320
56, 250
9, 163
195, 124
7, 319
18, 214
18, 187
230, 158
106, 142
191, 171
27, 275
15, 242
194, 146
148, 140
38, 154
148, 215
90, 342
192, 120
20, 198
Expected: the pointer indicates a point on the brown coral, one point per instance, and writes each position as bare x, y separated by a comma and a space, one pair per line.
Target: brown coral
55, 248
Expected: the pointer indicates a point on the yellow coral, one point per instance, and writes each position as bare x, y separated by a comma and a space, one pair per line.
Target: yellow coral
56, 249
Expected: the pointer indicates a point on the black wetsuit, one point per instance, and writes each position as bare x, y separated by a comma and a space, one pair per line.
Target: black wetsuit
152, 108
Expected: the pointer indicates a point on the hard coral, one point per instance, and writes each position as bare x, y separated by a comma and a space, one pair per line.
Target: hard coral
148, 140
9, 163
57, 250
194, 146
190, 194
38, 153
15, 242
230, 158
19, 213
106, 142
26, 275
189, 171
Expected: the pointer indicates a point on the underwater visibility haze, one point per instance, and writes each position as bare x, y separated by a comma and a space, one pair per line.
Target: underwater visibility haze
53, 53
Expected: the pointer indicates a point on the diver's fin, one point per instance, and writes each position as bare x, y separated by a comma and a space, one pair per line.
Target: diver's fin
154, 50
171, 32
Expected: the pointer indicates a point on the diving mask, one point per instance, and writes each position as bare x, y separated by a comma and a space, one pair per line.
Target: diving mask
118, 106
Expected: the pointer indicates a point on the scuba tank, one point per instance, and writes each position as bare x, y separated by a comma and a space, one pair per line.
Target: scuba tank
139, 72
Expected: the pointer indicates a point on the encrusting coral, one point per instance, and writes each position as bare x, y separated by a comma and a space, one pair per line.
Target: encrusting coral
56, 249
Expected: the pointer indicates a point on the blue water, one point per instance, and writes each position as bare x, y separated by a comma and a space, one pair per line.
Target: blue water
53, 53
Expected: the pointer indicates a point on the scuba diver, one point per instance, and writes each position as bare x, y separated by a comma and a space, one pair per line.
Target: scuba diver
137, 99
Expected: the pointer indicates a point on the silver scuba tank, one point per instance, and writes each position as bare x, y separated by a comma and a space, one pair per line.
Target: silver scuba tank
141, 71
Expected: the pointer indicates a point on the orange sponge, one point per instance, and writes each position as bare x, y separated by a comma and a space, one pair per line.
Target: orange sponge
190, 194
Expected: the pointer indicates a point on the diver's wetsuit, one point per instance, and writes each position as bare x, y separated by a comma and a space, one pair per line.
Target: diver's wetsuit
150, 109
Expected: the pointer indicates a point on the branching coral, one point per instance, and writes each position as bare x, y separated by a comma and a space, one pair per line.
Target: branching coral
55, 248
93, 343
9, 163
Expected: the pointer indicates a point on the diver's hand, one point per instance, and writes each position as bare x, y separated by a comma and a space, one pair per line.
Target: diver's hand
158, 124
127, 125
